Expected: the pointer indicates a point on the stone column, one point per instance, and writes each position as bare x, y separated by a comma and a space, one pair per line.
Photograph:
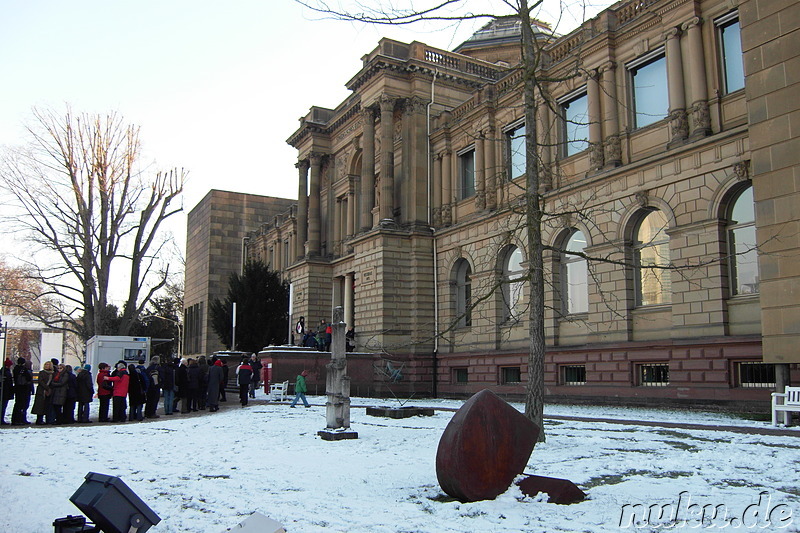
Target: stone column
386, 208
314, 211
436, 186
490, 150
340, 206
480, 172
613, 149
367, 169
544, 139
677, 98
349, 314
351, 214
595, 126
302, 209
447, 187
701, 119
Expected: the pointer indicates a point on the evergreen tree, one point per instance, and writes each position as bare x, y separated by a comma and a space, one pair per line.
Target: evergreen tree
262, 309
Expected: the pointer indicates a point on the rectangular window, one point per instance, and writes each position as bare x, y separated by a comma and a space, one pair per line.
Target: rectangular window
466, 172
730, 40
515, 147
653, 375
509, 375
650, 95
755, 375
573, 375
460, 375
575, 132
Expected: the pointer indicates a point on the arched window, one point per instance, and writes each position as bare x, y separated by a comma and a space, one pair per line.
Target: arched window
651, 249
574, 276
512, 284
742, 244
463, 293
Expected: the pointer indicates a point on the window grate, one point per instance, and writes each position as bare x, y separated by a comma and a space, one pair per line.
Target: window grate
653, 375
573, 374
510, 374
751, 374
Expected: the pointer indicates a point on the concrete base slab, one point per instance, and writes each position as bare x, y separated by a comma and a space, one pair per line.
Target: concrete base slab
333, 434
399, 412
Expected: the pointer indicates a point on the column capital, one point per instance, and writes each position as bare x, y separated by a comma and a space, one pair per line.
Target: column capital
672, 33
589, 74
302, 165
413, 105
368, 113
693, 22
386, 102
316, 158
608, 66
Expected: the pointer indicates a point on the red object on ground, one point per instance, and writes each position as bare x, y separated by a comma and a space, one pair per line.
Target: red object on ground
561, 491
484, 447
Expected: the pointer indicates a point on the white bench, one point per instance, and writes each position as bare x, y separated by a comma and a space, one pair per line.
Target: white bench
785, 402
278, 392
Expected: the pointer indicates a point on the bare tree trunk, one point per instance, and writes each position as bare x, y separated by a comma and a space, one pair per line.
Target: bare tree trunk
534, 393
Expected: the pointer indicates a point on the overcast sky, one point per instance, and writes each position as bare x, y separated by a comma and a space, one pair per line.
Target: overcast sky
217, 87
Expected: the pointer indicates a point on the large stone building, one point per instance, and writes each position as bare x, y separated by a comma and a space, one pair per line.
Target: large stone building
668, 158
217, 228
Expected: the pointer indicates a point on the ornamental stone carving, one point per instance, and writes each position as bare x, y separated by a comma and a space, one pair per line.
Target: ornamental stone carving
679, 125
613, 148
701, 117
642, 198
596, 155
480, 200
742, 170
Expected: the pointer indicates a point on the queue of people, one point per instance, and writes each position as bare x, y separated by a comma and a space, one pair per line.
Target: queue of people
125, 393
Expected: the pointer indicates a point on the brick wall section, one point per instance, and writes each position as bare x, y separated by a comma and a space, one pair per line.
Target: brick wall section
770, 37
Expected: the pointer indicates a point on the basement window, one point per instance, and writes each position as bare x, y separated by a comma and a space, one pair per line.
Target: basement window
510, 375
750, 374
653, 375
573, 375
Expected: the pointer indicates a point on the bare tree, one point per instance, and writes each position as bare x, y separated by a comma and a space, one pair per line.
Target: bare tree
77, 193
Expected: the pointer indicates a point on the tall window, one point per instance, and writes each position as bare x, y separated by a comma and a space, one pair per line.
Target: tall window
576, 124
731, 52
466, 171
651, 252
512, 284
742, 244
575, 276
515, 147
463, 293
650, 95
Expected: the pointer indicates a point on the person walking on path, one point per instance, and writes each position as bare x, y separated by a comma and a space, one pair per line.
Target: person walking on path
300, 389
244, 374
23, 388
85, 391
104, 391
214, 383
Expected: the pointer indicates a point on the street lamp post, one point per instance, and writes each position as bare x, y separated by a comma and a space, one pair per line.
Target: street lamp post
177, 325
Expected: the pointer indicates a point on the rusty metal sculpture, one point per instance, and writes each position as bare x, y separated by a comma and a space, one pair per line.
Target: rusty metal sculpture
561, 491
484, 447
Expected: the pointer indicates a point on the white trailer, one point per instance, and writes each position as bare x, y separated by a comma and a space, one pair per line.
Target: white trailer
112, 348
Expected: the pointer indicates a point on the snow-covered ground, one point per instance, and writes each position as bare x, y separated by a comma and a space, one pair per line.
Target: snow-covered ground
207, 473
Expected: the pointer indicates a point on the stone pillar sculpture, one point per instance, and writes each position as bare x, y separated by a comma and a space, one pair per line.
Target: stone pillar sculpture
337, 386
480, 172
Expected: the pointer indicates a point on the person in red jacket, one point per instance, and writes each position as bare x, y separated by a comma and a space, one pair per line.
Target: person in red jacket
103, 393
121, 379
